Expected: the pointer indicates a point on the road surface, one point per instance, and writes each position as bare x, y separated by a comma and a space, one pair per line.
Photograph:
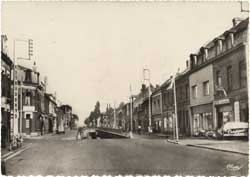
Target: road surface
63, 155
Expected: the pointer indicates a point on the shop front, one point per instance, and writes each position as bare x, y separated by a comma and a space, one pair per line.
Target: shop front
202, 116
230, 110
157, 124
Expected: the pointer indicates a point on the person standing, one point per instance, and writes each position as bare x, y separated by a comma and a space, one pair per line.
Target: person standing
42, 125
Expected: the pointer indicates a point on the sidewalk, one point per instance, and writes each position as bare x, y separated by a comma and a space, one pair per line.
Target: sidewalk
234, 146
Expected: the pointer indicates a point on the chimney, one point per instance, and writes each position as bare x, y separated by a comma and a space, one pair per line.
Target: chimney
34, 67
143, 87
187, 63
236, 21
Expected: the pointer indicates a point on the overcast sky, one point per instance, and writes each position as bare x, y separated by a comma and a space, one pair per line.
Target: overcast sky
94, 51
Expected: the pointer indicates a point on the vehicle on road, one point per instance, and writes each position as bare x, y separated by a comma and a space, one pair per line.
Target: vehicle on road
235, 129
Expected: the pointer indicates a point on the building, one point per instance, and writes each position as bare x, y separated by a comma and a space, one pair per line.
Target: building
127, 116
50, 112
73, 122
31, 102
168, 109
218, 80
141, 109
230, 75
6, 97
183, 101
157, 119
67, 114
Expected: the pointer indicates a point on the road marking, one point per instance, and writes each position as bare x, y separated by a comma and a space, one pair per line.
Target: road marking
16, 153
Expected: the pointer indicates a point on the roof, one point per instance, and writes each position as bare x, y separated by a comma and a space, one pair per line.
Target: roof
6, 58
235, 29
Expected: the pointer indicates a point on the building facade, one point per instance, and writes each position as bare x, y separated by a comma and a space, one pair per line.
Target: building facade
183, 102
157, 120
168, 108
6, 97
230, 73
31, 101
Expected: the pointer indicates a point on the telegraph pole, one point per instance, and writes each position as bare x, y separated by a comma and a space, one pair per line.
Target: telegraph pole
176, 117
131, 113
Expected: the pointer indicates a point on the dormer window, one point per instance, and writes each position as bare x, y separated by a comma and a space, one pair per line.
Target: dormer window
219, 46
232, 38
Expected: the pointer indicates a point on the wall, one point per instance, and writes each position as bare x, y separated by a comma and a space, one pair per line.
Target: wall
197, 78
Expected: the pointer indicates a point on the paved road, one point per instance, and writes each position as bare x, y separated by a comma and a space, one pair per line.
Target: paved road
63, 155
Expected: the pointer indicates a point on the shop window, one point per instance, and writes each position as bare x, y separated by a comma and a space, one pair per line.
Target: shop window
194, 91
229, 78
242, 74
244, 114
206, 88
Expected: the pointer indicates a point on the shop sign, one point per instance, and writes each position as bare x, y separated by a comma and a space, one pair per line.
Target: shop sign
223, 101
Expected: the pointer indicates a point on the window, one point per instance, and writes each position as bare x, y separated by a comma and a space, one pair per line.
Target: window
28, 76
194, 91
187, 90
206, 88
242, 74
27, 99
218, 78
219, 46
229, 77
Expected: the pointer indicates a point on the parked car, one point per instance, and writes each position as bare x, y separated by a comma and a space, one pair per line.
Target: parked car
235, 129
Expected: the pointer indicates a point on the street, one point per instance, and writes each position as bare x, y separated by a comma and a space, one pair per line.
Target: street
63, 155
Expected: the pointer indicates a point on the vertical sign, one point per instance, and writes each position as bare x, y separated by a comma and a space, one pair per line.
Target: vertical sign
16, 115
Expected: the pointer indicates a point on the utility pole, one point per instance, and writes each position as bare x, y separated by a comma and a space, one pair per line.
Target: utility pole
131, 113
176, 117
114, 116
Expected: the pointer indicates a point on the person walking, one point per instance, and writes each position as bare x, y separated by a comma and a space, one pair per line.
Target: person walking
42, 125
79, 132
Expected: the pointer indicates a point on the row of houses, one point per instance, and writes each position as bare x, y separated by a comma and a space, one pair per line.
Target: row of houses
210, 91
37, 110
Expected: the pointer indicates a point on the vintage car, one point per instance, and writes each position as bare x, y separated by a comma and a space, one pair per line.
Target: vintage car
232, 129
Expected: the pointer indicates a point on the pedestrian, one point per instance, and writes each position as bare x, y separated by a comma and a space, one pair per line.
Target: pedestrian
3, 135
79, 133
139, 129
42, 125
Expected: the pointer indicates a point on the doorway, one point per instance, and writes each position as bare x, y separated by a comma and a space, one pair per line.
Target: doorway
220, 119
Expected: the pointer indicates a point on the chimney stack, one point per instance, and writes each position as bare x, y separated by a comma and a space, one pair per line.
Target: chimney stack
236, 21
187, 63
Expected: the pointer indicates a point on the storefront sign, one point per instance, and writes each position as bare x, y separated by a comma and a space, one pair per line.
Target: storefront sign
219, 102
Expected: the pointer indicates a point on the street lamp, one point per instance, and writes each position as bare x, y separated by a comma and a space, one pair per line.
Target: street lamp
149, 94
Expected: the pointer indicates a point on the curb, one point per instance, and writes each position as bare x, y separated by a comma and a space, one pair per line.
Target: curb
11, 154
173, 141
223, 150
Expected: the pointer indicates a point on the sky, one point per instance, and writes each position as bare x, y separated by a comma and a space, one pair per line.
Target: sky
94, 51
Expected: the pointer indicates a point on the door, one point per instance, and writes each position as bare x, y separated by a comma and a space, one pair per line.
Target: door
220, 119
28, 124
